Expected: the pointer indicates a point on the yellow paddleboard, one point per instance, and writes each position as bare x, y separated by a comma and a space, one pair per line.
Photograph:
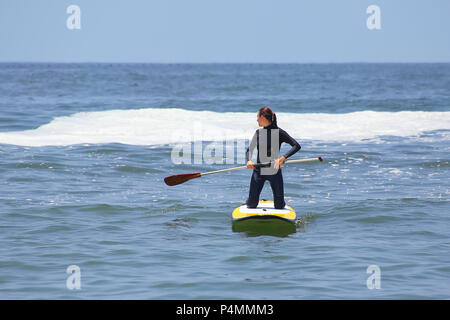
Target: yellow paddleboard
264, 219
264, 210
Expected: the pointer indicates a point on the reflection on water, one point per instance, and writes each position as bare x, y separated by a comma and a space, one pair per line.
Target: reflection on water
264, 227
272, 227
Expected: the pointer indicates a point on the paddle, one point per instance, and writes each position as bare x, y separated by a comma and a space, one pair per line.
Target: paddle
181, 178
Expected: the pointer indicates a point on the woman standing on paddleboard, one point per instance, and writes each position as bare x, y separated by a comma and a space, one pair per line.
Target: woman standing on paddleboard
262, 140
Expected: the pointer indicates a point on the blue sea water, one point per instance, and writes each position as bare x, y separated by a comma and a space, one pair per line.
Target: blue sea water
84, 149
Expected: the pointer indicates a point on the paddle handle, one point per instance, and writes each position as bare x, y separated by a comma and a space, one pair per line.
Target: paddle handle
223, 170
305, 160
267, 164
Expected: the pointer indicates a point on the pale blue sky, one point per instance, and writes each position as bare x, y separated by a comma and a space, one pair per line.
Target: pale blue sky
225, 31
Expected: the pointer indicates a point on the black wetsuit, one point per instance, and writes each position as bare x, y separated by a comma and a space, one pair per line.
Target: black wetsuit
276, 177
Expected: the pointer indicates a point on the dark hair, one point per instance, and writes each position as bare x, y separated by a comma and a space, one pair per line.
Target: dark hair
267, 113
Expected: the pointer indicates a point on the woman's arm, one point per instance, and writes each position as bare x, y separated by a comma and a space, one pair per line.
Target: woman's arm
251, 147
285, 137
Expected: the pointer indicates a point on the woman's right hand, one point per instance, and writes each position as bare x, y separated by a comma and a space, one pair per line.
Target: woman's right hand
250, 165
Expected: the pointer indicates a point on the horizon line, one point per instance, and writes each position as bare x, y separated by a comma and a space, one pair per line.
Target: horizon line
218, 62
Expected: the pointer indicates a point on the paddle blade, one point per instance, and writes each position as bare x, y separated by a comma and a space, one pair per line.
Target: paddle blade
180, 178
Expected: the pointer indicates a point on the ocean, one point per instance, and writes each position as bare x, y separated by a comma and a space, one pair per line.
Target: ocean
85, 213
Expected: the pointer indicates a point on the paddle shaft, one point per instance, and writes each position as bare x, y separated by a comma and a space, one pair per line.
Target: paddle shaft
262, 165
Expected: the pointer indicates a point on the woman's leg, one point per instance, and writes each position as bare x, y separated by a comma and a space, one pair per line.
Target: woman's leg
276, 183
256, 185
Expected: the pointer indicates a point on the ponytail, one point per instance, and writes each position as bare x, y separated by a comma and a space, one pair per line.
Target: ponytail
274, 119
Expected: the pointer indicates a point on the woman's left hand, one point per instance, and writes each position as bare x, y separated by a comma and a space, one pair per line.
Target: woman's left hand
279, 162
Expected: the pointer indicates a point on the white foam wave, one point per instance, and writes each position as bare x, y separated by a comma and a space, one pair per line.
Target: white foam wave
169, 126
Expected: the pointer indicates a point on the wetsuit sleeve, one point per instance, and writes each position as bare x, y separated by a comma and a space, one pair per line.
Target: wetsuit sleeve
285, 137
251, 147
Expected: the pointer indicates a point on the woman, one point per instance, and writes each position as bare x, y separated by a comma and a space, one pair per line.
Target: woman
262, 140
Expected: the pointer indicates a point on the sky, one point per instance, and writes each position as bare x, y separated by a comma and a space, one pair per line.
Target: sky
225, 31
